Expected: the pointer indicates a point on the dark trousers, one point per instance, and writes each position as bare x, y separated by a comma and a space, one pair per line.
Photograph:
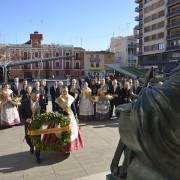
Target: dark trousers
113, 104
54, 106
29, 142
43, 109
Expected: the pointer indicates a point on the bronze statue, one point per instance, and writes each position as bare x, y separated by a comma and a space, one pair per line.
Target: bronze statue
150, 134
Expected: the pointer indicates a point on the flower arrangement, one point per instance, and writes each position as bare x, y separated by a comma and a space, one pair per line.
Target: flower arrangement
35, 131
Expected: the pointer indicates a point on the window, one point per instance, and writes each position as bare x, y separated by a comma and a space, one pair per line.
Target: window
161, 46
97, 64
92, 58
36, 54
36, 65
57, 54
67, 65
25, 55
47, 55
57, 64
92, 64
57, 73
67, 54
154, 16
77, 65
161, 35
77, 56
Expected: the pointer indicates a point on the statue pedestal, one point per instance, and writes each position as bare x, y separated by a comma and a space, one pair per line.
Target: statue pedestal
111, 177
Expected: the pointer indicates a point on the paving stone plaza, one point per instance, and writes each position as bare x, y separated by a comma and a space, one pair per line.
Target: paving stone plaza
91, 163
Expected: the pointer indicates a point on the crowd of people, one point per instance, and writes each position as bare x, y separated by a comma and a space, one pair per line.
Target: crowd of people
97, 98
93, 99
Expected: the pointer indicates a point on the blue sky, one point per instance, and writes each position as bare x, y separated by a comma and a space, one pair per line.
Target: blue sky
90, 23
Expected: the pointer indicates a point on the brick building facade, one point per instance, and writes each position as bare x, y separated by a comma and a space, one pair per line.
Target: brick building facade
33, 49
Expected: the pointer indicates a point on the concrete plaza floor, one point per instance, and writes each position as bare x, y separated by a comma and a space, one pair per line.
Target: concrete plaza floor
100, 138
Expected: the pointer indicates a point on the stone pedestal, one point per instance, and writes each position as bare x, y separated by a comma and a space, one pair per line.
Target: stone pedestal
111, 177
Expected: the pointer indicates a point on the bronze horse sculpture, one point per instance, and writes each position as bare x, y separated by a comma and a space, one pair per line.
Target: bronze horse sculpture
150, 134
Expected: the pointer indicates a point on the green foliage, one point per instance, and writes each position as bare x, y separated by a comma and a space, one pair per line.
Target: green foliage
48, 118
135, 70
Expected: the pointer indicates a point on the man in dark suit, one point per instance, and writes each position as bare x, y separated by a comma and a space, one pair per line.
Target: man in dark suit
54, 92
75, 92
15, 87
43, 99
136, 89
31, 109
115, 91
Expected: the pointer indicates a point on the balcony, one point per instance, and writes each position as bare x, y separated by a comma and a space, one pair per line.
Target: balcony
138, 18
138, 1
139, 36
173, 13
172, 2
173, 24
140, 53
173, 36
139, 8
138, 27
132, 46
173, 48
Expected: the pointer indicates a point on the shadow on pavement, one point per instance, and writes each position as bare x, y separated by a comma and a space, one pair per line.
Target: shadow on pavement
23, 161
114, 123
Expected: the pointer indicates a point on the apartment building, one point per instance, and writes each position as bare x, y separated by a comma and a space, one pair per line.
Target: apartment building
158, 33
125, 50
34, 49
95, 62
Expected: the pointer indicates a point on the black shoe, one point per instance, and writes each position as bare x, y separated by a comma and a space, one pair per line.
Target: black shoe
67, 154
38, 160
32, 150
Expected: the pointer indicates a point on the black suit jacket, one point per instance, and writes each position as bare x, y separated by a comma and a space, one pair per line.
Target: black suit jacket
26, 109
115, 100
54, 93
16, 91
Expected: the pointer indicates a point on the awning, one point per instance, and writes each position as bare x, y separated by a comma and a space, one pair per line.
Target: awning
117, 67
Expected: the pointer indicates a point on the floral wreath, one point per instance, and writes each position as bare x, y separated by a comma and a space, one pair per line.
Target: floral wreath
35, 131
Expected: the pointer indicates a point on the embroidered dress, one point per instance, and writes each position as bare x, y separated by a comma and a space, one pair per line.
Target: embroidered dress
76, 137
102, 109
8, 111
86, 107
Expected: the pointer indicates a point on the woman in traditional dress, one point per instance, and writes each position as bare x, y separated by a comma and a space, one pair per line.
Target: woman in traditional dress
8, 111
102, 105
86, 109
67, 107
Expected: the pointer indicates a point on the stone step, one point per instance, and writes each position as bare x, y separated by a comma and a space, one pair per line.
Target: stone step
98, 176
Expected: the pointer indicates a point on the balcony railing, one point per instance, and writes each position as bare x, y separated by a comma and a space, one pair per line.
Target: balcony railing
139, 36
139, 26
173, 24
140, 53
173, 13
139, 8
171, 2
170, 48
138, 18
138, 1
173, 36
132, 45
